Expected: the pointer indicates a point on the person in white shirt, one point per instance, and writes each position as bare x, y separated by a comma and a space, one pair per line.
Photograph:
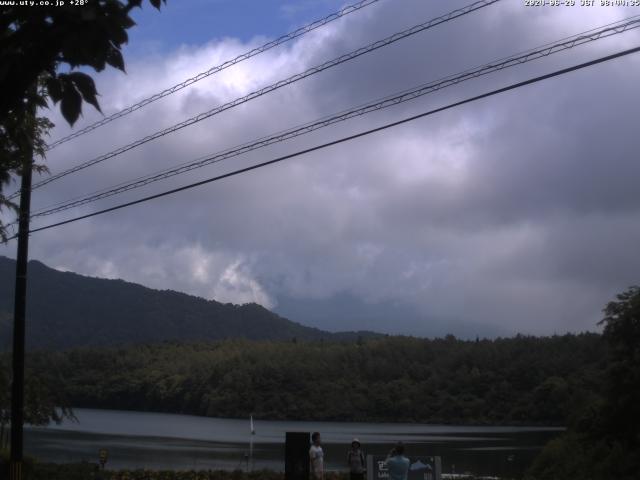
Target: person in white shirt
316, 458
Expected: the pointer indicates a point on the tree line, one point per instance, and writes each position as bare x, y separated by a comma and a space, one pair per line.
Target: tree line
520, 380
603, 438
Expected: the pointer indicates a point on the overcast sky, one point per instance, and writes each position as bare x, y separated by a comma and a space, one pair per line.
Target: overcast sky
519, 213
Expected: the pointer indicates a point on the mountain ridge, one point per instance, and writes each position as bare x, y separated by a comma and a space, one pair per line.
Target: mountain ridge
67, 310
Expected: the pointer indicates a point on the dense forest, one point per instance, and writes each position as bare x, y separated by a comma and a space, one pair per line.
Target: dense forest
521, 380
603, 439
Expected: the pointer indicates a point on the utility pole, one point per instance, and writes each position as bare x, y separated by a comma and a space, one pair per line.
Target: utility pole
20, 303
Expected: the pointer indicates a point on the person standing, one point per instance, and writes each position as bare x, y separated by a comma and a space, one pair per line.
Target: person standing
397, 463
316, 457
355, 460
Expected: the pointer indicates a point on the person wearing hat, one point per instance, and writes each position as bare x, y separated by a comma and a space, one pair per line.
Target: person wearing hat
355, 460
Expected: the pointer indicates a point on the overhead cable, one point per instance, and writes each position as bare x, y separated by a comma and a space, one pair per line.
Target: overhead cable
389, 101
270, 88
216, 69
491, 93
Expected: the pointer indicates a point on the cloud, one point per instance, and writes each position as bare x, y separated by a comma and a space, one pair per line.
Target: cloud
519, 212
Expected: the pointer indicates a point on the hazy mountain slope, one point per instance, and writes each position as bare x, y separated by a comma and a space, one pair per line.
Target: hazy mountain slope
67, 310
345, 311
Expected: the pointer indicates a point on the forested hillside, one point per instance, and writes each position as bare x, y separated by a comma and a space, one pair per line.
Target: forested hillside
522, 380
603, 440
68, 310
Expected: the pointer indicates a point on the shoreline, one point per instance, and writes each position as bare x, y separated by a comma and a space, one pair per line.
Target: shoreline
529, 426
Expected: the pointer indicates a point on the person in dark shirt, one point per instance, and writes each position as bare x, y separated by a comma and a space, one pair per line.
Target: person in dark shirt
355, 460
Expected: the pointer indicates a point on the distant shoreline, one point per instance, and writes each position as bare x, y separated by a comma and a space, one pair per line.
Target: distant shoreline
528, 426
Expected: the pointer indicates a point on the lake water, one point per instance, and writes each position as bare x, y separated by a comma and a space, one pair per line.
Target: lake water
166, 441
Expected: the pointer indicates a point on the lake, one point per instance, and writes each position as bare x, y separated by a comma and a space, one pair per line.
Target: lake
167, 441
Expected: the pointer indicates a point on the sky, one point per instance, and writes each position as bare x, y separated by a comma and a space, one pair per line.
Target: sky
515, 214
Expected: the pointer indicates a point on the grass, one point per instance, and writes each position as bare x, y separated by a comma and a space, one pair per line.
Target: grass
33, 470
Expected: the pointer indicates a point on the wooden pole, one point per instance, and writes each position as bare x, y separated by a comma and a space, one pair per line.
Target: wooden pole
20, 303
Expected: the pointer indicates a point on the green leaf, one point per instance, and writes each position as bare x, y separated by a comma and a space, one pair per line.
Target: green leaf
40, 101
71, 104
54, 89
114, 58
87, 88
118, 34
156, 3
128, 22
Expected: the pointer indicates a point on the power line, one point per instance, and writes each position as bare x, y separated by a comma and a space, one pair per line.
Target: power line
389, 101
564, 43
275, 86
216, 69
345, 139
